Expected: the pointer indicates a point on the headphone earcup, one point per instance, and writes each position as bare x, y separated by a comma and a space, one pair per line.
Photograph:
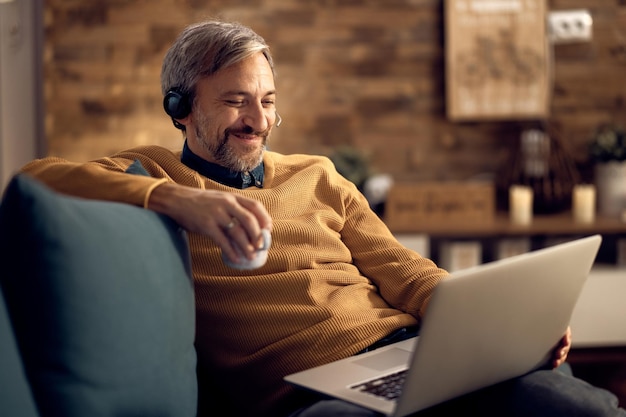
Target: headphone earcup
176, 104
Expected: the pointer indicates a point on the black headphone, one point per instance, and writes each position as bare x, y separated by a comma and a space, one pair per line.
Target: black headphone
177, 104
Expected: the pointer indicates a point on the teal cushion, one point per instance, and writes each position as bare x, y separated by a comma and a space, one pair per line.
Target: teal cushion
101, 299
16, 399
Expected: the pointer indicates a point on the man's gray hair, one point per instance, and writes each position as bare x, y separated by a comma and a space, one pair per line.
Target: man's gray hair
204, 48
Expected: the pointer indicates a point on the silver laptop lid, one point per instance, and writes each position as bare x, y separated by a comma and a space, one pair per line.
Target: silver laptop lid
496, 321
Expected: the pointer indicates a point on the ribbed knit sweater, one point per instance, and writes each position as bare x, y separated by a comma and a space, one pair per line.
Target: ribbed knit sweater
336, 280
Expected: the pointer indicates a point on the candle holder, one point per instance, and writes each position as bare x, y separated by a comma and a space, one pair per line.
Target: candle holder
542, 163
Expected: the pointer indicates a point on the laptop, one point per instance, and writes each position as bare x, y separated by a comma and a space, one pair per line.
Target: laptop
484, 325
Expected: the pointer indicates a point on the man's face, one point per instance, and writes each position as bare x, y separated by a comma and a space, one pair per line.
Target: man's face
233, 114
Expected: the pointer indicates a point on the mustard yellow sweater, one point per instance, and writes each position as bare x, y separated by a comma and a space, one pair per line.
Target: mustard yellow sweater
335, 281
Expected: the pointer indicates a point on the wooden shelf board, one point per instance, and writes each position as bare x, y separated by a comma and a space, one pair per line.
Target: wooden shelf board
558, 224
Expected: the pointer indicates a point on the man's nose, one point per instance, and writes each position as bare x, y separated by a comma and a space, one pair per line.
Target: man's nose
256, 117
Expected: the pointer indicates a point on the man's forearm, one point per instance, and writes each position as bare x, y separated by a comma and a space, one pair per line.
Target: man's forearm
92, 180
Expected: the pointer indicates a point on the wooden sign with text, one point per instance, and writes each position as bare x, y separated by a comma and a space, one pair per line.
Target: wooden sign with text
497, 60
410, 205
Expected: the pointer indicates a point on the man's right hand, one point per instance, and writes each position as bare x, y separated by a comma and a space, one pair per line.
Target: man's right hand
227, 218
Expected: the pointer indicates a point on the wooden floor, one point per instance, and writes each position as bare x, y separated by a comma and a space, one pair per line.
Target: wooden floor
603, 367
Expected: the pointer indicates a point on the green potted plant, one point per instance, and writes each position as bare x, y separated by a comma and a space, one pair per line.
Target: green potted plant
608, 153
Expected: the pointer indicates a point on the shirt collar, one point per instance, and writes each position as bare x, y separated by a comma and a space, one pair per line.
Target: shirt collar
221, 174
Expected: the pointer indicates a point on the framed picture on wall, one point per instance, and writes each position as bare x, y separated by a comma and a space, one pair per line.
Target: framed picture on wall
497, 60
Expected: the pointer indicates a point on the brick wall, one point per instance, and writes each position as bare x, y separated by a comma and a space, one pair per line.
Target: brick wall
364, 73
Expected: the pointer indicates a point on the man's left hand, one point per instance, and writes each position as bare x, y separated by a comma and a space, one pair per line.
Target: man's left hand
562, 349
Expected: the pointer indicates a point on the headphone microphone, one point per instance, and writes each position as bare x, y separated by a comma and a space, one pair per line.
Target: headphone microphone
279, 119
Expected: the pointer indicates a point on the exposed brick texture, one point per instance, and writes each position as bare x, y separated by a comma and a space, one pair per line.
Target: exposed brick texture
364, 73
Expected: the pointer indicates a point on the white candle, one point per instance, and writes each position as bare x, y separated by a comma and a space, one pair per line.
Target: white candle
584, 203
521, 204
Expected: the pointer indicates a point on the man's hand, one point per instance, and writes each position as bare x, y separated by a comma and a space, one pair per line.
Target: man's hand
227, 218
562, 349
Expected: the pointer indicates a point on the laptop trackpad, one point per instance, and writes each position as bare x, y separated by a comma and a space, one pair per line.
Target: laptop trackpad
389, 358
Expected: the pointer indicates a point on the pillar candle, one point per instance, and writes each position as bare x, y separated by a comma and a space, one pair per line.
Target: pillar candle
584, 203
521, 204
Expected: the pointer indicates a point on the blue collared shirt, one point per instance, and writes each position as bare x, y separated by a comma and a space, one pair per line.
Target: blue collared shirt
221, 174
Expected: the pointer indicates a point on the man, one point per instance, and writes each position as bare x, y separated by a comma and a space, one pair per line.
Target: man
336, 281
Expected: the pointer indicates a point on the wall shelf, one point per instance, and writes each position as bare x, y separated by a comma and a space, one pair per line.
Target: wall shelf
561, 224
428, 238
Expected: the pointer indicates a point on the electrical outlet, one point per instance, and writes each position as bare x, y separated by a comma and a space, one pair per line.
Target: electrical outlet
570, 26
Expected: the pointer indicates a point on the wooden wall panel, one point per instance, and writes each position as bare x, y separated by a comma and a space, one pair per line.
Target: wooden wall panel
367, 74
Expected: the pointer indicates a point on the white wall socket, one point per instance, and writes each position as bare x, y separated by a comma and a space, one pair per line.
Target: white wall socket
570, 26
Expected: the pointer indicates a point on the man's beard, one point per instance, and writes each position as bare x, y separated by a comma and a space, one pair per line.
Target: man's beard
226, 155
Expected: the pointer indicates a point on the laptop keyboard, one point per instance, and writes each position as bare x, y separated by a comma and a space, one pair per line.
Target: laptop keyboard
388, 387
